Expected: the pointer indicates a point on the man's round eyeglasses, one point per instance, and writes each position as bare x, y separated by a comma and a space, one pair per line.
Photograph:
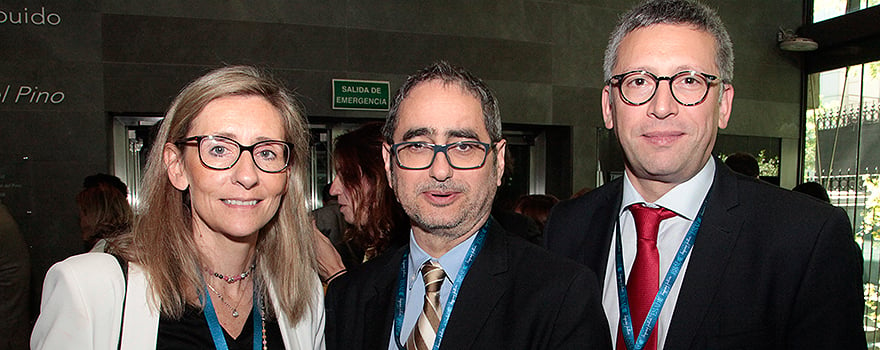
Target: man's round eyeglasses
221, 153
689, 88
461, 155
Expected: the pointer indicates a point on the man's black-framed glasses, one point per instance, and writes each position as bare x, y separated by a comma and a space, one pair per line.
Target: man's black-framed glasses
221, 153
689, 88
462, 155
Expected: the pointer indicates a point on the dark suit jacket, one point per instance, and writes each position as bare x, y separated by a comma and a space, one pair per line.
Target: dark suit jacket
770, 268
515, 296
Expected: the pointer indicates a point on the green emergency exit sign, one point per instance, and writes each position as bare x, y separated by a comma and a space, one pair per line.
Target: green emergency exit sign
363, 95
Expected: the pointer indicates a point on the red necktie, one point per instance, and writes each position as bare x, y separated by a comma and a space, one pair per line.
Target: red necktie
644, 280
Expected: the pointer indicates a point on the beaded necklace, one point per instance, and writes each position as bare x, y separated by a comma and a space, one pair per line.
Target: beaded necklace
232, 279
263, 324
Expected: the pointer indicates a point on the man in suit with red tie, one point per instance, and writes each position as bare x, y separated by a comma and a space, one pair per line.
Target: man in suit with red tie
462, 282
691, 255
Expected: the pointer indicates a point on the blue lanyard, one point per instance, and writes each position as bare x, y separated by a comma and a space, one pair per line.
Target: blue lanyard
217, 330
626, 324
400, 305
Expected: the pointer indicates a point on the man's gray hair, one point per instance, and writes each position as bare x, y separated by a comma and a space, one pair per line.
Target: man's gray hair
680, 12
449, 74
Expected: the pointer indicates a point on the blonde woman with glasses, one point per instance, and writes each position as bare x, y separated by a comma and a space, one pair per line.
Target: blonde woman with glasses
221, 255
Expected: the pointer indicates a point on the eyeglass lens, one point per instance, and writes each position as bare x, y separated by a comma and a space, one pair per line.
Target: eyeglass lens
222, 153
688, 88
461, 155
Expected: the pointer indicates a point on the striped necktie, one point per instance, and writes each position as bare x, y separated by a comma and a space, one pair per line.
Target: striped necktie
425, 331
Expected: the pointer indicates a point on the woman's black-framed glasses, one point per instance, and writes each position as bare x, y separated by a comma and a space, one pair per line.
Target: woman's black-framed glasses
221, 153
689, 88
462, 155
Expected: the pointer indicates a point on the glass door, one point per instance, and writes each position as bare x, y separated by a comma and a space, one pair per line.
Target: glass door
842, 136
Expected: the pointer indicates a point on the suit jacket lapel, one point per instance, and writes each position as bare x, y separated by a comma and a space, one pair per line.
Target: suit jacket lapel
380, 302
598, 245
708, 261
481, 289
141, 321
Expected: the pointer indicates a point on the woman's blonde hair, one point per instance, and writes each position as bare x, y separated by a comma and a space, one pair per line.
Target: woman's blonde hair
162, 239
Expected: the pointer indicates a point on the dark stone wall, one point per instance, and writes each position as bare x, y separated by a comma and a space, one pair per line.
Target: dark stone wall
96, 59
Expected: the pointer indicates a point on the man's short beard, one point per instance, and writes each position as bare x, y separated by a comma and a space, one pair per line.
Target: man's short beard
448, 230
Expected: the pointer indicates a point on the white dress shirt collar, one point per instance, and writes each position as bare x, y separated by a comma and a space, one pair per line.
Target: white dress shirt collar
684, 199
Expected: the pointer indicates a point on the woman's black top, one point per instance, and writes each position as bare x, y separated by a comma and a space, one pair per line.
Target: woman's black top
192, 332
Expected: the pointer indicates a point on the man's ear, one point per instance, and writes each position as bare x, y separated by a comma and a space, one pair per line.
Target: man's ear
174, 164
726, 106
607, 114
501, 148
386, 156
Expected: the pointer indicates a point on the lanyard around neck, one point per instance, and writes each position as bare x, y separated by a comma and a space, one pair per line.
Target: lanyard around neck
217, 331
400, 304
626, 323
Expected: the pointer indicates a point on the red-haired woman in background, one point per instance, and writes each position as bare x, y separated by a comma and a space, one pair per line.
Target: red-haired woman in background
377, 221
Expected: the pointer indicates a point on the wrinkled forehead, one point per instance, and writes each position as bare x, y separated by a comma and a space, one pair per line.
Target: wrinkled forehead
433, 133
439, 111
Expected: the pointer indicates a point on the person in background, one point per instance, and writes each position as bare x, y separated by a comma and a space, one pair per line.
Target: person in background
813, 189
222, 252
743, 163
107, 179
376, 220
517, 225
462, 282
581, 192
328, 218
692, 256
537, 207
104, 213
503, 213
15, 267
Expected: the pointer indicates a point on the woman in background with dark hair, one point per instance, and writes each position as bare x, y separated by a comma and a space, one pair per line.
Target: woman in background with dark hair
104, 213
537, 207
377, 221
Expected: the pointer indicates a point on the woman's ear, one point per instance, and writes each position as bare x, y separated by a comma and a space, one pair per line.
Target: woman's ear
176, 169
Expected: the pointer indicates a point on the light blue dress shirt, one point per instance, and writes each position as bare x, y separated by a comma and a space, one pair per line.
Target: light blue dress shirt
415, 294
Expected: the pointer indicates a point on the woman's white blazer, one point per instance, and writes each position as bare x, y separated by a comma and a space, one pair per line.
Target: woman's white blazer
81, 308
